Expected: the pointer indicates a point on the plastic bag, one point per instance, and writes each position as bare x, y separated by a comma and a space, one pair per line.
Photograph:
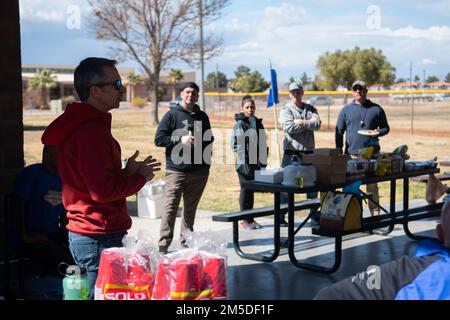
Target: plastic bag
435, 189
127, 273
197, 273
153, 189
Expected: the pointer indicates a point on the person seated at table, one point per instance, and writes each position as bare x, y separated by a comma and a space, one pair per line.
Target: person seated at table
426, 276
249, 143
44, 235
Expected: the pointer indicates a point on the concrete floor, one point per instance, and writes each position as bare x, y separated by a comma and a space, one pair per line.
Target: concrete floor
280, 280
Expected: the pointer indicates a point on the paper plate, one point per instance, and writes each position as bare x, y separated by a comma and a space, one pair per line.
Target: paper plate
368, 132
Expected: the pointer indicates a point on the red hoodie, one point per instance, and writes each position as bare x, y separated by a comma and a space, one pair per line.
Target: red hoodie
89, 162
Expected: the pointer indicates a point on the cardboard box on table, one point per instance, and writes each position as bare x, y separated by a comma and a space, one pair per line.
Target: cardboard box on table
330, 169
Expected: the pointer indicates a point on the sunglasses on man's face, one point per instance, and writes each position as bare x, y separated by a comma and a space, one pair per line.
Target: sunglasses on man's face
356, 88
116, 84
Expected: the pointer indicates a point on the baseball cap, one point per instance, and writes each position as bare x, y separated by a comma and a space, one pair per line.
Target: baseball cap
295, 86
359, 83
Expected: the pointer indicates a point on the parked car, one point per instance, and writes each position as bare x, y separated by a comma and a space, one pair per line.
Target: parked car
441, 97
174, 103
320, 101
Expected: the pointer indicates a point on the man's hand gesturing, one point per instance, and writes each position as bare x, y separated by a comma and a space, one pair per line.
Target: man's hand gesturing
145, 168
132, 165
148, 167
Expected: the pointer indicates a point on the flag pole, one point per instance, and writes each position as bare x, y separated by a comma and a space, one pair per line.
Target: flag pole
276, 133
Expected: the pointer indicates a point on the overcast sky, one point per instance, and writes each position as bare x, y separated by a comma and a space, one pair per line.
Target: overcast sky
292, 33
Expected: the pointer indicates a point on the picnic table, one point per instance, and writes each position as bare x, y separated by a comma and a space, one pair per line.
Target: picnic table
389, 220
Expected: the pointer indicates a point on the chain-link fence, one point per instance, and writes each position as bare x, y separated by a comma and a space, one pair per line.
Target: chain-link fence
419, 110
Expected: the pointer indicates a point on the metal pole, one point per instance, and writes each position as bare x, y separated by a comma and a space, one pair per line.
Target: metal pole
202, 71
412, 97
276, 133
217, 77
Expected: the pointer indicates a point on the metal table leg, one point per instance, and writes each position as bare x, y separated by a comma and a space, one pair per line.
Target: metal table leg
406, 207
291, 244
276, 237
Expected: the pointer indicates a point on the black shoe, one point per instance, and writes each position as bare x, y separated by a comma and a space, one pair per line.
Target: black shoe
283, 222
163, 250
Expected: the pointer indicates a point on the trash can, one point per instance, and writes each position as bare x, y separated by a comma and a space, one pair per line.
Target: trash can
151, 200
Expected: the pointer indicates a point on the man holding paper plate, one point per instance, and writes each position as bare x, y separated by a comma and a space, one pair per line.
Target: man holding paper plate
363, 122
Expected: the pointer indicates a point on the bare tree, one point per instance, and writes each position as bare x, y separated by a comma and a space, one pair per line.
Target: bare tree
155, 33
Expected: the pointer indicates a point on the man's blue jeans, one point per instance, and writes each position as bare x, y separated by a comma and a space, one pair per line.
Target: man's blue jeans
86, 252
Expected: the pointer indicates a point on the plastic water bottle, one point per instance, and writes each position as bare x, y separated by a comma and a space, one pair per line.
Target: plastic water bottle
75, 283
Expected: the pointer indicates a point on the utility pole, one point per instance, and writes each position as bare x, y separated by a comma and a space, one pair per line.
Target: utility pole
217, 76
412, 97
202, 66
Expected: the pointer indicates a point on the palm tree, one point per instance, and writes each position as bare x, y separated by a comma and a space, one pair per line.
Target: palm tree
133, 80
175, 75
42, 80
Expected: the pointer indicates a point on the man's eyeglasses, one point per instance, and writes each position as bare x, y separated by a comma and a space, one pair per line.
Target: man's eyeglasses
116, 84
360, 88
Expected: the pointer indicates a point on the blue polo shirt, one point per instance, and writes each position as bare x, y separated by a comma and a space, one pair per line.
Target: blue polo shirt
37, 186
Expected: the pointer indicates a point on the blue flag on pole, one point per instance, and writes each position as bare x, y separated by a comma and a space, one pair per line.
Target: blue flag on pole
273, 93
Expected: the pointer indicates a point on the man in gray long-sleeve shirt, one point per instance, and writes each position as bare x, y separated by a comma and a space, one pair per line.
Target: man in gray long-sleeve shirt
360, 114
299, 121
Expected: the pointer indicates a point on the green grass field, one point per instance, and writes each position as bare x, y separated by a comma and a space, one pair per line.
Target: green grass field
131, 129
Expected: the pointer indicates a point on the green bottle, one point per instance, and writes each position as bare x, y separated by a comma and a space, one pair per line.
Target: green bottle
75, 283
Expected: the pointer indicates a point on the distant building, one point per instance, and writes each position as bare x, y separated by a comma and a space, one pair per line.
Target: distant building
406, 85
377, 87
437, 85
141, 89
63, 76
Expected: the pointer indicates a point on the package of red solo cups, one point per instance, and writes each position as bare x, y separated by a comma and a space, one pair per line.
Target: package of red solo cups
125, 273
192, 274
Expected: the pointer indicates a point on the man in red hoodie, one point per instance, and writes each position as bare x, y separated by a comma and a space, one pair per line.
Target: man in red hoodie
95, 186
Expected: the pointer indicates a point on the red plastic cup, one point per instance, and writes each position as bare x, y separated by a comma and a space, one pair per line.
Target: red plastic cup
161, 288
186, 281
137, 266
111, 269
215, 277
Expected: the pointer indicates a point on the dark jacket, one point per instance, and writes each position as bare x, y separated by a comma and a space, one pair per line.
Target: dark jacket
249, 141
177, 122
354, 117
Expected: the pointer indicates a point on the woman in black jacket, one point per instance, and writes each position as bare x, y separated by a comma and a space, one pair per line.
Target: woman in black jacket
249, 143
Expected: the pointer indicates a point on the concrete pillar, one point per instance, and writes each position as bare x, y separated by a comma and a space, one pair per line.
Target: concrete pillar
11, 125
